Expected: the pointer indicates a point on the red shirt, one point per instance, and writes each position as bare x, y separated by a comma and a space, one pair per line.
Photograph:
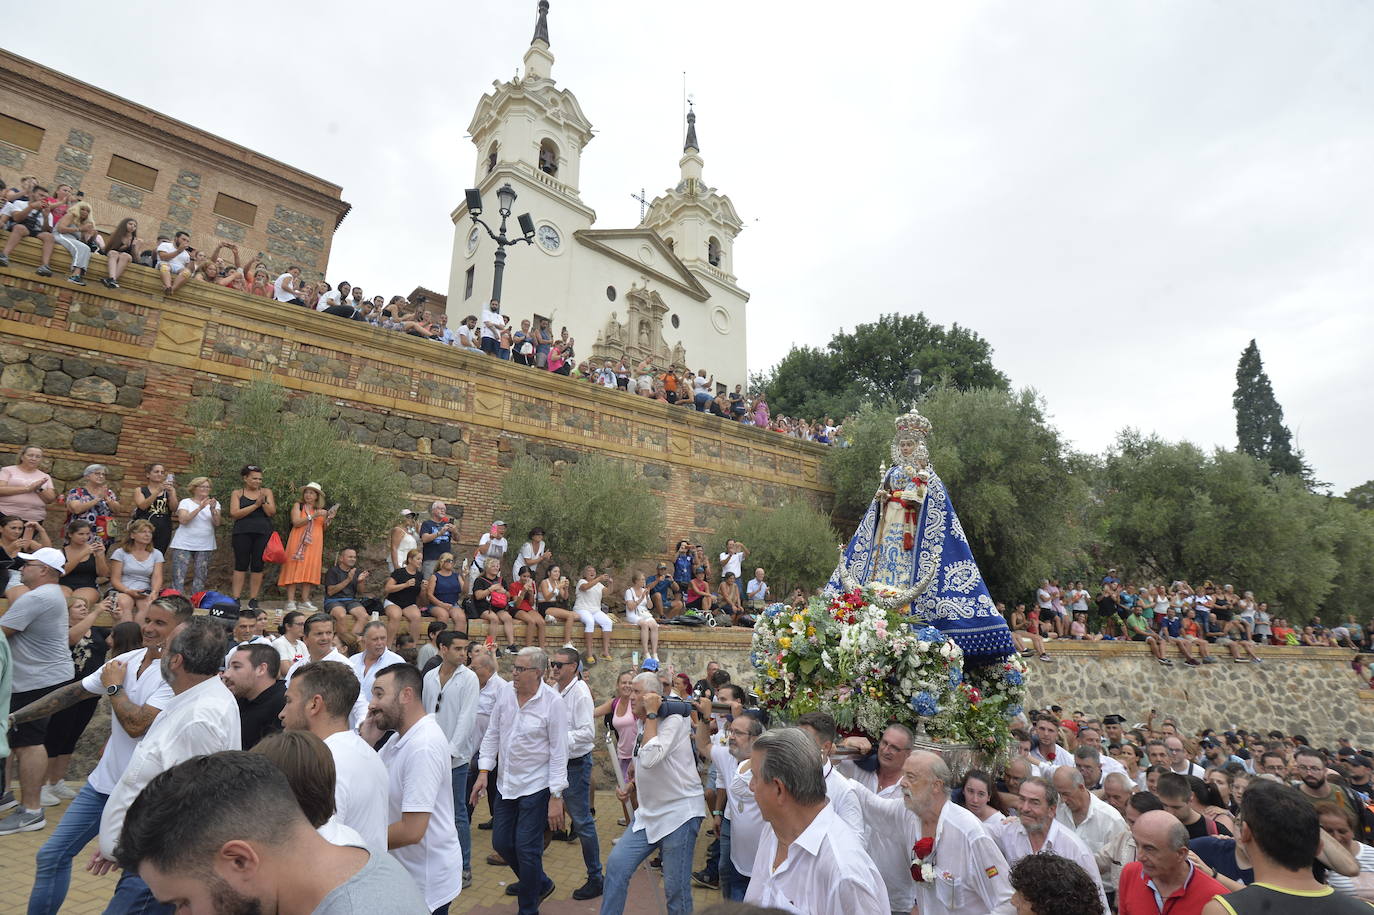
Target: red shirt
1135, 896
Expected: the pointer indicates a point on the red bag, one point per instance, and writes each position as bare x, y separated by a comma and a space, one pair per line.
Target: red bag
274, 551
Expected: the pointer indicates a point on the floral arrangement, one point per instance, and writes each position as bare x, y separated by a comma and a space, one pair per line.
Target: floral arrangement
869, 666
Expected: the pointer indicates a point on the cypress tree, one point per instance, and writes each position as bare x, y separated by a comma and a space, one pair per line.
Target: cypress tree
1260, 431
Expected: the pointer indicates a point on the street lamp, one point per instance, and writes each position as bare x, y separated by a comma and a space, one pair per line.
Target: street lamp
505, 196
913, 383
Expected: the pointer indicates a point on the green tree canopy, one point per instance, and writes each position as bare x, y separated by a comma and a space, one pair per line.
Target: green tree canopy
594, 512
871, 365
296, 441
1362, 496
795, 545
1260, 431
1010, 477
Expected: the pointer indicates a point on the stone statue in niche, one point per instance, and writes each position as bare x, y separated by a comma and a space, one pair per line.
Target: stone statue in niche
640, 335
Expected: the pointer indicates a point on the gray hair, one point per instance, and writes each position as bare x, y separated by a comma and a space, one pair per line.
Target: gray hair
647, 681
94, 468
200, 642
938, 768
1051, 793
537, 657
792, 758
1113, 778
1092, 753
903, 730
1074, 776
1178, 835
373, 624
484, 660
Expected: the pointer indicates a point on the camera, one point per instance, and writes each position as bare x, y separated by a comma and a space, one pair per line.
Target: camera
675, 706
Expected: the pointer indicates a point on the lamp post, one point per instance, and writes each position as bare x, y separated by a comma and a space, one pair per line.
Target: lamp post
505, 196
913, 382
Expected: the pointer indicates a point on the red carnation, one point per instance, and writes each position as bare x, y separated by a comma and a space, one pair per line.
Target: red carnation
921, 851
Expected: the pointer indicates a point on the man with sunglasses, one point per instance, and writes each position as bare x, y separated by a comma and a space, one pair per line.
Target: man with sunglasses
528, 735
450, 695
577, 699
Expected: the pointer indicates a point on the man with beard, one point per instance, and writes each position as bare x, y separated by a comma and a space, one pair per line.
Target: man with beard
245, 848
202, 717
137, 693
971, 875
319, 700
1036, 830
1311, 768
422, 835
252, 677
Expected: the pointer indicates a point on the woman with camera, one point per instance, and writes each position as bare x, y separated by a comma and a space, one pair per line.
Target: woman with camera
86, 563
524, 595
491, 599
17, 536
587, 606
400, 595
553, 601
94, 502
638, 612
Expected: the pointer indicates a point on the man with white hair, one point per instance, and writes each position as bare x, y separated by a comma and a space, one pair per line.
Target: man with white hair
528, 735
1096, 823
970, 874
1035, 829
671, 804
809, 861
1117, 790
1090, 738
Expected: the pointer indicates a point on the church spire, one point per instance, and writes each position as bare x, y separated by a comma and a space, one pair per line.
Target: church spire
691, 131
541, 25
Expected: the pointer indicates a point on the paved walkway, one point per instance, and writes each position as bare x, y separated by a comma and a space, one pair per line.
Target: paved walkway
486, 896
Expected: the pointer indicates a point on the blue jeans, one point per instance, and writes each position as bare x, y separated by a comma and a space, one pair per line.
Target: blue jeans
460, 814
634, 846
132, 897
517, 835
733, 884
53, 875
577, 801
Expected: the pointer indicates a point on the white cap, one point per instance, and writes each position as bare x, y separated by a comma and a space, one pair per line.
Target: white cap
52, 558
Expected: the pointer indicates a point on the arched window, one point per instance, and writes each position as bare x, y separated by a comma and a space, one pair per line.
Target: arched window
713, 251
491, 158
548, 158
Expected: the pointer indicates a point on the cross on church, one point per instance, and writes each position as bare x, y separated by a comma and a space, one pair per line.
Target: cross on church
643, 198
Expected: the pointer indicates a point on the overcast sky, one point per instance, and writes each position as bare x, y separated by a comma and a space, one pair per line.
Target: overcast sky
1117, 195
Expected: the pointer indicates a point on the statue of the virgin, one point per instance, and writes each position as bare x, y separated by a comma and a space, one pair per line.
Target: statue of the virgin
912, 550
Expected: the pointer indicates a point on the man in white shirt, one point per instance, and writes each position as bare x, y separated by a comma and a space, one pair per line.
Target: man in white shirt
756, 591
319, 699
285, 290
451, 694
732, 558
1096, 823
528, 735
245, 632
202, 717
174, 261
1047, 754
577, 799
492, 325
224, 833
1092, 760
420, 791
889, 848
670, 803
491, 545
809, 861
970, 874
491, 685
1035, 829
137, 693
742, 823
821, 728
375, 656
319, 646
1178, 758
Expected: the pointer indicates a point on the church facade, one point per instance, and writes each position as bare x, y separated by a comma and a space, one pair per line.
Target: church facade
664, 290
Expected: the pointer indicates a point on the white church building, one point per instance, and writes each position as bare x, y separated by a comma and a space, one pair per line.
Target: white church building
665, 289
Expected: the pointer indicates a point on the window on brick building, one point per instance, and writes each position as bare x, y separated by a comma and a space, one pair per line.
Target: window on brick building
136, 174
468, 279
235, 209
20, 133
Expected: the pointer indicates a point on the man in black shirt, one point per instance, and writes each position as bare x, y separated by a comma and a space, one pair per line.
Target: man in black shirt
342, 584
252, 677
1175, 792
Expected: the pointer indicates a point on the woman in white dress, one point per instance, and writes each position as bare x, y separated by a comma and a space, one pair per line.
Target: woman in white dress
404, 538
639, 612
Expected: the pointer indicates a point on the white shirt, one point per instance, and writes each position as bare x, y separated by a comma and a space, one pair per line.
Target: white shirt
1099, 829
486, 700
730, 562
826, 872
637, 606
492, 323
175, 264
666, 779
279, 290
746, 820
577, 699
328, 299
289, 650
841, 790
146, 688
528, 557
1046, 767
531, 743
203, 719
1015, 845
457, 714
978, 878
199, 532
1110, 765
365, 681
358, 774
420, 779
589, 600
889, 848
490, 548
755, 589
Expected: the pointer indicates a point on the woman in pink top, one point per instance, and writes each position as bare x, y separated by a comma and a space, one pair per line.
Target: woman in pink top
26, 490
619, 711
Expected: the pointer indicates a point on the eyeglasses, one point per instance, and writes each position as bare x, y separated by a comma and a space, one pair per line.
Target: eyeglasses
558, 665
253, 468
516, 668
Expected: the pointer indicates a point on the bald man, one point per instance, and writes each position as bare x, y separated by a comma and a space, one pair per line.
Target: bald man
979, 874
1162, 870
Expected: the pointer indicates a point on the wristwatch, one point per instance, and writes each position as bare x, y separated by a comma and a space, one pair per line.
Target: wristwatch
114, 690
652, 716
557, 795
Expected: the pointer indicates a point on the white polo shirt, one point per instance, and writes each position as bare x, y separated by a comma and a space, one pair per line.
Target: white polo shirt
420, 779
146, 688
358, 774
826, 872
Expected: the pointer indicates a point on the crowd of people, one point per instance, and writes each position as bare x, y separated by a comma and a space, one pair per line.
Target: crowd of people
62, 217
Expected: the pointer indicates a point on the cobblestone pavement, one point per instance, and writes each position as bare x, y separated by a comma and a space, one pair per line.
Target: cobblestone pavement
486, 896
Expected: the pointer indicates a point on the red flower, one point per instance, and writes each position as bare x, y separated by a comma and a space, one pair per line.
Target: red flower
920, 852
